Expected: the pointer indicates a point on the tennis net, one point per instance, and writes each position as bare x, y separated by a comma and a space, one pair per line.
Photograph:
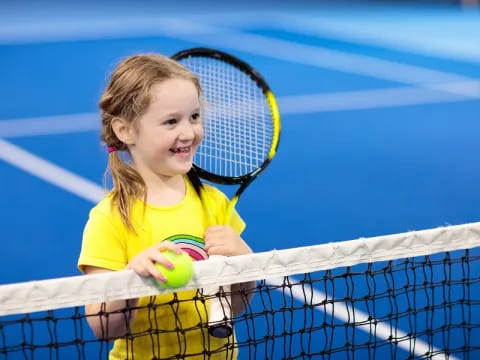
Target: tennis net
402, 296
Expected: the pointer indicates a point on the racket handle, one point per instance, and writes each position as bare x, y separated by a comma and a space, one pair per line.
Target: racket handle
229, 211
220, 323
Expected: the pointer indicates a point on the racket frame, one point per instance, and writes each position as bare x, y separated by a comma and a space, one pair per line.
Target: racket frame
244, 180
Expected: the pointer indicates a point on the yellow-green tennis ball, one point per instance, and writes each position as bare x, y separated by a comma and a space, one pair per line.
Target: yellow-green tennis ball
181, 273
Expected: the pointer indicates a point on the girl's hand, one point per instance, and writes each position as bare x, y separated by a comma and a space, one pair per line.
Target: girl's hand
144, 263
224, 240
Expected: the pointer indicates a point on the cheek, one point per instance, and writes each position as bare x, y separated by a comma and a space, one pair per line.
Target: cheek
156, 142
199, 133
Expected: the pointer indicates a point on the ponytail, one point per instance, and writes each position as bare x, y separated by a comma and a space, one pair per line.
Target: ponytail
128, 186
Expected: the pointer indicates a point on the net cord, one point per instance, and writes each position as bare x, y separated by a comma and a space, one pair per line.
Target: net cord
65, 292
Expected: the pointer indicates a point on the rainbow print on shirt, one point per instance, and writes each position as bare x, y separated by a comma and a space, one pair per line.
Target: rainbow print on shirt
192, 245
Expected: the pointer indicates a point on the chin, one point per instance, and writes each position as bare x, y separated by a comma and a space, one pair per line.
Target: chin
181, 170
176, 167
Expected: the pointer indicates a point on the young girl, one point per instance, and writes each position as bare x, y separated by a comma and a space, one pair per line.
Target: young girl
151, 114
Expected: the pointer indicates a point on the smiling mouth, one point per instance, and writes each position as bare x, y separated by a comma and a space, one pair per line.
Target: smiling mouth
181, 150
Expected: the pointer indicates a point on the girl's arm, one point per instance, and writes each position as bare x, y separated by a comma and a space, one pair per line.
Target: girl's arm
112, 319
224, 240
109, 320
240, 301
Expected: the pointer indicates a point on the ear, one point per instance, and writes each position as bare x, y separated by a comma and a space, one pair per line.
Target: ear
123, 130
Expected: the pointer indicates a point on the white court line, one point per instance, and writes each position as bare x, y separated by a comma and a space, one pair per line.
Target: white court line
339, 61
448, 35
289, 105
365, 99
342, 312
322, 57
47, 125
219, 37
431, 38
50, 172
90, 191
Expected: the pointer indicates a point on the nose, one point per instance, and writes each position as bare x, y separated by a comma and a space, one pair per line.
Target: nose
187, 131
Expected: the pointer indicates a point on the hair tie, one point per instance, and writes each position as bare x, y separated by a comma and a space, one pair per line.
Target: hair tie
112, 149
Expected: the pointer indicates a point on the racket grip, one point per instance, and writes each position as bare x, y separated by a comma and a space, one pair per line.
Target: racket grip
220, 322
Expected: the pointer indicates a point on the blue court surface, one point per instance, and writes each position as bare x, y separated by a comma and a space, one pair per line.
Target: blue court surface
380, 112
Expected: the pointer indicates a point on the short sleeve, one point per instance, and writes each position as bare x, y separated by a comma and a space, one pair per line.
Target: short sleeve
221, 201
103, 244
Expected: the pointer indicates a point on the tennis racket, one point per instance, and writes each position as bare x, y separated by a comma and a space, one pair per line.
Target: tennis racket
242, 131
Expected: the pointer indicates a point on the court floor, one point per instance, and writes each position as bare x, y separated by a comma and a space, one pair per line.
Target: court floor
380, 107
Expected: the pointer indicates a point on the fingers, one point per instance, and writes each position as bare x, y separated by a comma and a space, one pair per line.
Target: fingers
154, 272
213, 246
224, 240
215, 238
144, 263
144, 266
168, 245
157, 257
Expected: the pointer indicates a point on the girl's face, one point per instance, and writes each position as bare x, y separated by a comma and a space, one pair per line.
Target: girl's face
169, 132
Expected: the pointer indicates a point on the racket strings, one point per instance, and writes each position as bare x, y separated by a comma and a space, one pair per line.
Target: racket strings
237, 119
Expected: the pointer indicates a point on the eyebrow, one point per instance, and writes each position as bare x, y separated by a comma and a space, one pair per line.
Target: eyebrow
178, 113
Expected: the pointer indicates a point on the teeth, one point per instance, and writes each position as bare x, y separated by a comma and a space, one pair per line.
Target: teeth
184, 149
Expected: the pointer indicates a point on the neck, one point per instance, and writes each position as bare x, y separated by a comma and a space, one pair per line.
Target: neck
163, 190
166, 192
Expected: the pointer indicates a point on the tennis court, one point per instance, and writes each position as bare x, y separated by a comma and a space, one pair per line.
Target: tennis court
380, 117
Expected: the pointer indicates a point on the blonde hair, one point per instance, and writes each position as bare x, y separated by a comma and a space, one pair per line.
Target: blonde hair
127, 96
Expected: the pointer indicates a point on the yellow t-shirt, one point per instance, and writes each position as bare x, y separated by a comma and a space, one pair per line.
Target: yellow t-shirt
107, 243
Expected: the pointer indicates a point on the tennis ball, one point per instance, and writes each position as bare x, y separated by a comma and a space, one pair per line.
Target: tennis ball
181, 273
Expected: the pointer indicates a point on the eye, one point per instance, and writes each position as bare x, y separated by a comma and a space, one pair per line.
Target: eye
170, 122
195, 116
